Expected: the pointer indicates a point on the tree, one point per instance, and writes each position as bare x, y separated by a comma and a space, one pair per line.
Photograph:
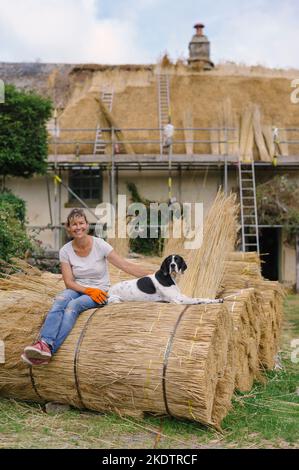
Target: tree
278, 204
23, 134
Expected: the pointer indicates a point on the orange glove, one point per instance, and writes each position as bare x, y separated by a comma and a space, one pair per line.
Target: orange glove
99, 296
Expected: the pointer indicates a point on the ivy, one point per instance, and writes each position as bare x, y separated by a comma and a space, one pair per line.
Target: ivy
147, 246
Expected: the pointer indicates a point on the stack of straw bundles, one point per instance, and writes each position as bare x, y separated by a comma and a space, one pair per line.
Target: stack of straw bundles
160, 358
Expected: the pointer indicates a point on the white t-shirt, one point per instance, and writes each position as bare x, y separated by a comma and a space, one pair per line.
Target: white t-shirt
91, 270
168, 131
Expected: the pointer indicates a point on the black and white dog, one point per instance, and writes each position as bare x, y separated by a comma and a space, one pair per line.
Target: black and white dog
158, 287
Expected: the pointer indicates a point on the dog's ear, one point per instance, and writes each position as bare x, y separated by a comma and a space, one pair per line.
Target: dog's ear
183, 266
165, 266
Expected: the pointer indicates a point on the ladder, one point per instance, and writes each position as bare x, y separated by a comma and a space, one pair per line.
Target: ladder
249, 220
164, 104
107, 99
99, 143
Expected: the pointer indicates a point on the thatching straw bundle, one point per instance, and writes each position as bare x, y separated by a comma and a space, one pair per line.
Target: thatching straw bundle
226, 383
248, 257
121, 245
268, 136
269, 294
244, 308
218, 241
246, 135
112, 123
271, 327
258, 135
163, 359
206, 264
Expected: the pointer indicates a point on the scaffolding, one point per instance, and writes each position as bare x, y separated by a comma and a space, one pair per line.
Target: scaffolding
173, 161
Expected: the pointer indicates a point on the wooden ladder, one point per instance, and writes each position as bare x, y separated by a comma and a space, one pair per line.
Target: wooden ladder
163, 104
99, 143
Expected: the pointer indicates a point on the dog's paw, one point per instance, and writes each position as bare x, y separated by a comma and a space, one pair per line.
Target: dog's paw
220, 301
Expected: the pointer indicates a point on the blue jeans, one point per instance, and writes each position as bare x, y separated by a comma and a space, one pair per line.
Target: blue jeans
60, 320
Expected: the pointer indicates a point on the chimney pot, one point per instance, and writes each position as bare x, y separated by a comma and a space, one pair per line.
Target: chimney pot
199, 29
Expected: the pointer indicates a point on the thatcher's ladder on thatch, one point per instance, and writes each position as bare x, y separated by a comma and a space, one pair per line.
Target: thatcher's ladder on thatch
164, 104
99, 143
249, 220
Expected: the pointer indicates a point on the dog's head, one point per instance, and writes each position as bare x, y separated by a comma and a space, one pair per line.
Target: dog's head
173, 264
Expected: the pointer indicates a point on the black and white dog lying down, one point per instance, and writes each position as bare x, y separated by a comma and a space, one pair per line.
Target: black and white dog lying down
158, 287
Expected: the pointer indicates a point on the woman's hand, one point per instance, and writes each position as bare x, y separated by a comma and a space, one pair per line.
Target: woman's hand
127, 266
98, 295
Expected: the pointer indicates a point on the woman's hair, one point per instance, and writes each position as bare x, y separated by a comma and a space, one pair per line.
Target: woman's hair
74, 214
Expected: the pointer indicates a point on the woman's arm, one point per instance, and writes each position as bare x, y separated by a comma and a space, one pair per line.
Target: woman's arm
126, 265
68, 278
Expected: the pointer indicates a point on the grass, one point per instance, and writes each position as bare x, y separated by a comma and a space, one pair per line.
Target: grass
266, 417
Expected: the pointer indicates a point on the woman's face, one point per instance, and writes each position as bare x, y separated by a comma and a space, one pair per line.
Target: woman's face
78, 227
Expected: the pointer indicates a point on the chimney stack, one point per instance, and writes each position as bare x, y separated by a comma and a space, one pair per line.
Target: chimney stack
199, 49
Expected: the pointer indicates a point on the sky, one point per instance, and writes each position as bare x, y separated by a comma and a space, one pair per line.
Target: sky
250, 32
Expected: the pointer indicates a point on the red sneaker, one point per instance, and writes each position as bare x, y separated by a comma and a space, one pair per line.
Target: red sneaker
34, 362
39, 350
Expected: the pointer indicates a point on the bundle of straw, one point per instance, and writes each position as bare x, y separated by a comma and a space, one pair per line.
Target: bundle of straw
103, 110
120, 245
258, 135
244, 309
246, 135
206, 264
226, 384
268, 136
240, 275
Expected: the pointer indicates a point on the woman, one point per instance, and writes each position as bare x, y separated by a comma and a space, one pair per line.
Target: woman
86, 277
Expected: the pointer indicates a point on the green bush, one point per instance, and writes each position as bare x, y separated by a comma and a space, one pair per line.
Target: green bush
14, 241
17, 203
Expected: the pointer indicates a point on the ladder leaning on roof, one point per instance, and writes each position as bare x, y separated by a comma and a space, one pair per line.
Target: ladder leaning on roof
249, 219
163, 103
99, 143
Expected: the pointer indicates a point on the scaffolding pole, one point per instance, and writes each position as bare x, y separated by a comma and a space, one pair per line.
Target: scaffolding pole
57, 179
170, 174
56, 195
225, 162
112, 171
